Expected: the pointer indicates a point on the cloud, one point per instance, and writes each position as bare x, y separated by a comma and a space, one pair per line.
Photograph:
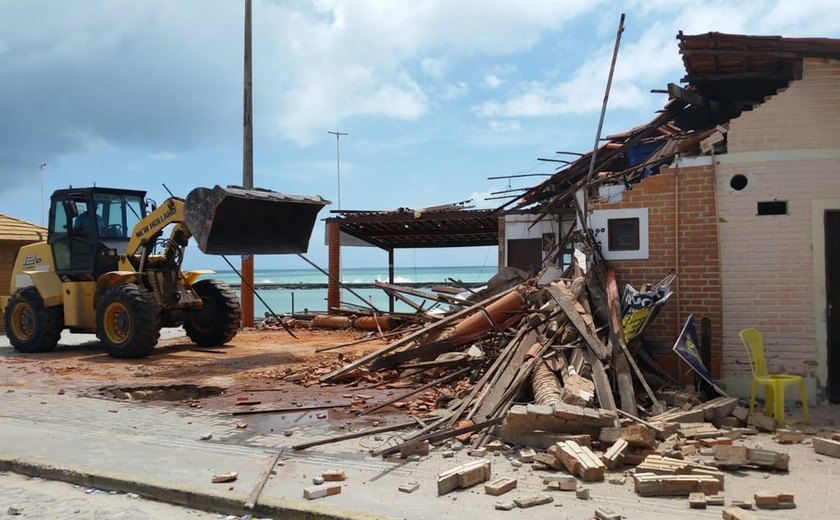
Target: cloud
455, 90
505, 126
493, 81
168, 75
649, 58
434, 67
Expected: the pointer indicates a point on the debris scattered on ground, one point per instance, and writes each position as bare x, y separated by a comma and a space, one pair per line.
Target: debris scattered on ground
500, 486
827, 447
409, 487
774, 500
225, 477
463, 476
552, 370
313, 492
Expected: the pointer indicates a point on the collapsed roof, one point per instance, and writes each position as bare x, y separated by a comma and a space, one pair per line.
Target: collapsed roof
450, 225
726, 74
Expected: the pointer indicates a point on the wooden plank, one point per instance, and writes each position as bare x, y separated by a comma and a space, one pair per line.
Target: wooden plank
288, 409
438, 436
512, 356
613, 301
602, 383
622, 366
257, 491
355, 435
413, 336
564, 298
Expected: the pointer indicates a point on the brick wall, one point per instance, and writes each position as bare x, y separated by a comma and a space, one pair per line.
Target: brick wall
804, 116
686, 244
788, 150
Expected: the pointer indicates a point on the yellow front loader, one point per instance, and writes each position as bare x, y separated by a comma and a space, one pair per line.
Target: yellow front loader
107, 268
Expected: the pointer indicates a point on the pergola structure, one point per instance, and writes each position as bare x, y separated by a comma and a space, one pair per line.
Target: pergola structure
451, 225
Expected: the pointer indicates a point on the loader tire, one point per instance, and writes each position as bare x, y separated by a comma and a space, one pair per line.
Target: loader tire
217, 322
128, 321
30, 326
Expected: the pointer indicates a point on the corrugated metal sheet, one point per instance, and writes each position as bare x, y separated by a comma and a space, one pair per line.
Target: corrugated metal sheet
19, 230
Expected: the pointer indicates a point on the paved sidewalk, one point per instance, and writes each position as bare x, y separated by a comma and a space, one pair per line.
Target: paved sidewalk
156, 451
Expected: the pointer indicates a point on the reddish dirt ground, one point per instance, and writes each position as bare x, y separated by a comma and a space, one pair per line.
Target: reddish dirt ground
253, 367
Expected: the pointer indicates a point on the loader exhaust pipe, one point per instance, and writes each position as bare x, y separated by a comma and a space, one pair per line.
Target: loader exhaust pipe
240, 221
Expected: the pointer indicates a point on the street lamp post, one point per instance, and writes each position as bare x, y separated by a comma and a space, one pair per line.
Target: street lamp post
338, 135
43, 218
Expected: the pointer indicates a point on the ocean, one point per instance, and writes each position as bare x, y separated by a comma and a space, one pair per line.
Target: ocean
309, 293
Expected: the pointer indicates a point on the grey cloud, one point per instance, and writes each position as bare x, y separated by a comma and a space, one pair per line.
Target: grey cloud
150, 74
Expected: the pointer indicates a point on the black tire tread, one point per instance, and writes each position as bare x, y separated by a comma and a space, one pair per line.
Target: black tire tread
145, 312
49, 322
225, 323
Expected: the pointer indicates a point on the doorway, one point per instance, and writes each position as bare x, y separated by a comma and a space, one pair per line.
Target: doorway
525, 254
832, 289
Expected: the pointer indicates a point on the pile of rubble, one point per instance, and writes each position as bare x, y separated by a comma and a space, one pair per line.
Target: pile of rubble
541, 369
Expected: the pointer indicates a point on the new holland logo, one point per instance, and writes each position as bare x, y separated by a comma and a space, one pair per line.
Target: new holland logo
30, 260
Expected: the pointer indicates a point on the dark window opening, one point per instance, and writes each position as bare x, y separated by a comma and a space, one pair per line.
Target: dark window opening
738, 182
623, 234
776, 207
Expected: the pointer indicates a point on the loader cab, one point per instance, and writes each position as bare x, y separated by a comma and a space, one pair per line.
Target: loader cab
90, 227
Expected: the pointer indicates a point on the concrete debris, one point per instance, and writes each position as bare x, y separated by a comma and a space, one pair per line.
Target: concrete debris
537, 370
736, 513
651, 484
500, 486
789, 436
774, 500
561, 482
313, 492
225, 477
463, 476
827, 447
697, 500
505, 505
409, 487
605, 513
537, 499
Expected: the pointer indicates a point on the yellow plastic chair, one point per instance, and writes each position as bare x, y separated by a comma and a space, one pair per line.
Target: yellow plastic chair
774, 384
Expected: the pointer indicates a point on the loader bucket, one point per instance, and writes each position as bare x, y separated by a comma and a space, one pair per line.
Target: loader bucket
234, 220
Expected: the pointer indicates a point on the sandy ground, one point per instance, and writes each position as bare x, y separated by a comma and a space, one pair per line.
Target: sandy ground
252, 368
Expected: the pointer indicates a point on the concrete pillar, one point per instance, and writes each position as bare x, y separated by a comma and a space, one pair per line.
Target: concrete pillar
333, 265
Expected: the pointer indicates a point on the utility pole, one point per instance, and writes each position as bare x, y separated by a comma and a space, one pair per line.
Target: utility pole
338, 135
43, 218
246, 291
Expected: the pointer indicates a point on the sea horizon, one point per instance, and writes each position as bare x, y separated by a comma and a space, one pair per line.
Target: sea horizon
308, 292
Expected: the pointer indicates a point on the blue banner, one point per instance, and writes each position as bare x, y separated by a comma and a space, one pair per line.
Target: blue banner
686, 349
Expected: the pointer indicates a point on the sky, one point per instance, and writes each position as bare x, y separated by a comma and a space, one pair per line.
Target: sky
435, 95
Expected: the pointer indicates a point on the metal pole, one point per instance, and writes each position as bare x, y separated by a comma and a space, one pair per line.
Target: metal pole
601, 120
338, 135
43, 218
247, 293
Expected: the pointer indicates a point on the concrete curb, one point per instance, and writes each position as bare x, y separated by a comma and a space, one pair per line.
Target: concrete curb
174, 493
